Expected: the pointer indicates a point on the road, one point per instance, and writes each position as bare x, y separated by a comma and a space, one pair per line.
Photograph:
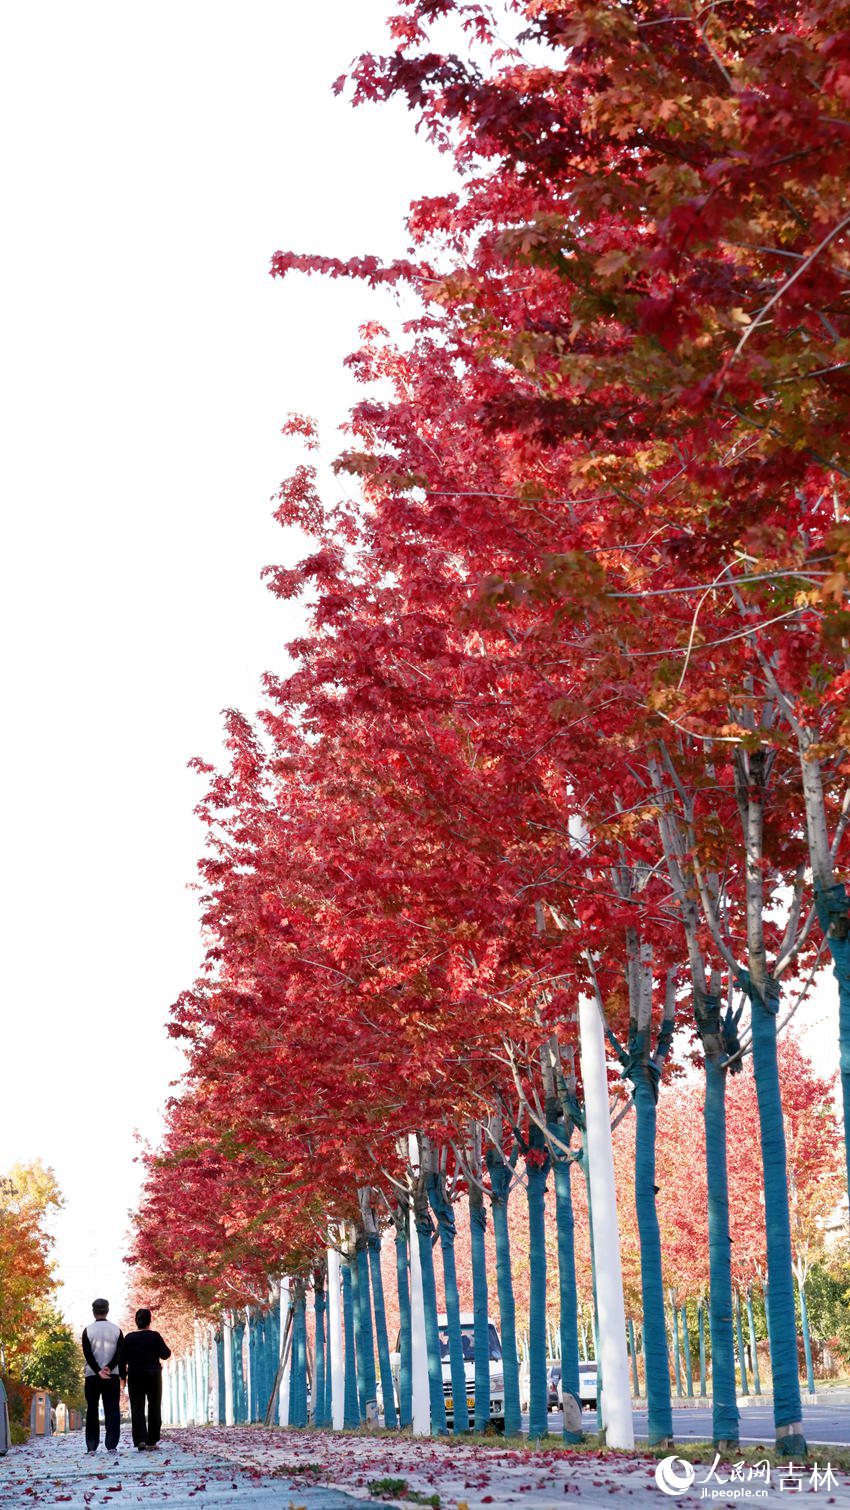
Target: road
828, 1423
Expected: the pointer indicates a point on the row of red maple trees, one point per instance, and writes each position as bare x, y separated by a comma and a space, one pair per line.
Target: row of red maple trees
568, 714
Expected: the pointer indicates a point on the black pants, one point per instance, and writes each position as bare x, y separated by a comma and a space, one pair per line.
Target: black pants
145, 1391
109, 1391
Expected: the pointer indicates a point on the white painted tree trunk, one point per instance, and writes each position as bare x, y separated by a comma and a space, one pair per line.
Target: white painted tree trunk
227, 1336
166, 1396
613, 1354
283, 1407
200, 1378
418, 1344
335, 1362
249, 1379
215, 1382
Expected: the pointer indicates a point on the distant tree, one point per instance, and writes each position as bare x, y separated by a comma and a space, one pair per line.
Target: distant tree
54, 1361
28, 1194
828, 1292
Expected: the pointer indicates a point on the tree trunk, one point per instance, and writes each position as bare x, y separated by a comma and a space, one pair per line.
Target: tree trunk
359, 1339
220, 1375
424, 1243
677, 1357
500, 1184
742, 1356
616, 1398
753, 1344
319, 1391
387, 1388
370, 1383
781, 1317
565, 1226
656, 1361
751, 770
480, 1312
701, 1329
351, 1409
440, 1205
725, 1418
239, 1395
807, 1338
405, 1381
299, 1359
536, 1175
686, 1348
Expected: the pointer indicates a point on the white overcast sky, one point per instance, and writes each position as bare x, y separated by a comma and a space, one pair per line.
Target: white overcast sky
155, 156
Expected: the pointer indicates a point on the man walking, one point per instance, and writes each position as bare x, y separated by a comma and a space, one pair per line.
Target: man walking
102, 1342
141, 1366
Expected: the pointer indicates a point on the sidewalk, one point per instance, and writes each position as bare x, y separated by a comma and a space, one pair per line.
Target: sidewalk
55, 1472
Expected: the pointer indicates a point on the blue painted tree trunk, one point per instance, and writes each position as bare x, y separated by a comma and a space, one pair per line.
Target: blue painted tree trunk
387, 1386
633, 1357
436, 1396
725, 1418
293, 1369
480, 1314
447, 1232
656, 1362
677, 1357
538, 1386
742, 1357
567, 1295
701, 1331
329, 1395
753, 1345
251, 1382
405, 1382
832, 910
262, 1384
351, 1407
364, 1288
359, 1341
781, 1314
260, 1393
319, 1380
299, 1370
500, 1184
240, 1402
686, 1349
274, 1362
807, 1338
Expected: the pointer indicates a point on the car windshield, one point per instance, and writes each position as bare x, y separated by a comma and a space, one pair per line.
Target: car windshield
467, 1339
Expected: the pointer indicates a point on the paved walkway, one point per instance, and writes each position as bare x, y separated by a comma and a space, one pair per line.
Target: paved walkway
56, 1471
473, 1476
259, 1469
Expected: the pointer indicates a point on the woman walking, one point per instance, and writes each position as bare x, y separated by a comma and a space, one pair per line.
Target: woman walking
141, 1365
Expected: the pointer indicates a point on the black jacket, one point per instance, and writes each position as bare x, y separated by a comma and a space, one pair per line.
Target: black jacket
141, 1353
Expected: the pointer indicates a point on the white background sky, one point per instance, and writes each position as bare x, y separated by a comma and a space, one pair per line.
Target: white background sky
155, 156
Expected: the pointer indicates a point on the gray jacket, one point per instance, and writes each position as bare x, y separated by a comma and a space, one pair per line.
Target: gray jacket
102, 1342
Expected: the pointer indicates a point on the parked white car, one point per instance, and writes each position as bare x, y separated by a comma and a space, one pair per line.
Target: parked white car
467, 1337
588, 1376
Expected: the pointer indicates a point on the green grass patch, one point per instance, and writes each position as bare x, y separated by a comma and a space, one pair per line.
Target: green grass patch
398, 1489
